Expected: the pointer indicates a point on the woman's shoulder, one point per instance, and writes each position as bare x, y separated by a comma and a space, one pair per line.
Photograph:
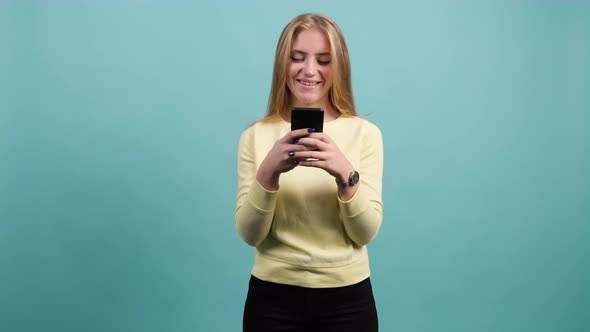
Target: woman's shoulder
263, 127
360, 122
266, 124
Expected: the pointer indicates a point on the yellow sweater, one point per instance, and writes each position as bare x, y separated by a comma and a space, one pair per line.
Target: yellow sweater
303, 233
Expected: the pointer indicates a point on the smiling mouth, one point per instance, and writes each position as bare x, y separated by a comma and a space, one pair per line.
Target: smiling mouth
308, 83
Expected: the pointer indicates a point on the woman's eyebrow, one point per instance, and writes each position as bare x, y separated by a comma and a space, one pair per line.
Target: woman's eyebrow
305, 53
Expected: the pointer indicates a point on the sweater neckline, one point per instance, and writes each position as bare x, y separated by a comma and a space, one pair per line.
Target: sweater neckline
326, 123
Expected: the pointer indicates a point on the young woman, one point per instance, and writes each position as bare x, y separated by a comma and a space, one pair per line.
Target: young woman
309, 202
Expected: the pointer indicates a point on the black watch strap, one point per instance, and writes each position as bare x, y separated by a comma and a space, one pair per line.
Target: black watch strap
353, 179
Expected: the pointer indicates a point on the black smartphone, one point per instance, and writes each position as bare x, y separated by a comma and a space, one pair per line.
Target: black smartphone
305, 117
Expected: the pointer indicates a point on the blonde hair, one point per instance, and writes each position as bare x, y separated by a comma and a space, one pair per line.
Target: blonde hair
340, 93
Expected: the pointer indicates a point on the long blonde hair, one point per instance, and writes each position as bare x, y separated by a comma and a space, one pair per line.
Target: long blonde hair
340, 93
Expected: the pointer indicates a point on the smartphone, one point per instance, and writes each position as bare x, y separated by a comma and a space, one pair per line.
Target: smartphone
305, 117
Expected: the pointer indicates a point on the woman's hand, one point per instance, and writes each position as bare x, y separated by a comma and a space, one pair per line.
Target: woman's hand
281, 158
322, 152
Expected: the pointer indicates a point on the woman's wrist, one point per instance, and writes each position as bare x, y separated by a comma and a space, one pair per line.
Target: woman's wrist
344, 174
342, 177
268, 180
349, 181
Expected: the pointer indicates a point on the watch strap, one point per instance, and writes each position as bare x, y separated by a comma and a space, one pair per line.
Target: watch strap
353, 179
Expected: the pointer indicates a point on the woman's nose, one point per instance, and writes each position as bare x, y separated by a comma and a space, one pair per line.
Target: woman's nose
309, 68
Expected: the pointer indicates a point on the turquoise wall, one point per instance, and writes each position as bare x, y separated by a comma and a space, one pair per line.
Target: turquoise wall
119, 125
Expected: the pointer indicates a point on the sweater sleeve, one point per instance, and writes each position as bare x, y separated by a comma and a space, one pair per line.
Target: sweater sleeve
254, 205
362, 214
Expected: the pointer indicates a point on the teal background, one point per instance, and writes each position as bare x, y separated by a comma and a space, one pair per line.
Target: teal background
119, 125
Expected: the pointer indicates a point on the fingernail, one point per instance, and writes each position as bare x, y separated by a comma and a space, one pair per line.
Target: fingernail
310, 130
291, 154
295, 162
296, 140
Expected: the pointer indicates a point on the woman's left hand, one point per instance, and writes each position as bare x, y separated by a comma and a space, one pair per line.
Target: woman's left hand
324, 154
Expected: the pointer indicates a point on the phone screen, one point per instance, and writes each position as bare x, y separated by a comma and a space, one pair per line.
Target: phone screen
302, 117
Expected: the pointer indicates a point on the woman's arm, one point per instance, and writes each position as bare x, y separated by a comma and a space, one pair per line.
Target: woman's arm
362, 214
360, 205
257, 188
254, 205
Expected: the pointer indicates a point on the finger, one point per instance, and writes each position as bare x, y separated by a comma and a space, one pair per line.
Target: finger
296, 134
288, 138
313, 143
289, 162
321, 136
303, 155
312, 163
296, 149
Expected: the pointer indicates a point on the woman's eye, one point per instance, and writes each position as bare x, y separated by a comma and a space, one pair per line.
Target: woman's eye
323, 62
294, 59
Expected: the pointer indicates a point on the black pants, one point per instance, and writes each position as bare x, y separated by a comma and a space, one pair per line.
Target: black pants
277, 307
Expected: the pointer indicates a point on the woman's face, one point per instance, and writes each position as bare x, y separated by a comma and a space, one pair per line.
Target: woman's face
310, 69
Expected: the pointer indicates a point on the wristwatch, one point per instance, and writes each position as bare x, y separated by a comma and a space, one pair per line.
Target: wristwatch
353, 179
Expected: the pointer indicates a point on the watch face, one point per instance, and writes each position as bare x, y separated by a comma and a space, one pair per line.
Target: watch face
354, 178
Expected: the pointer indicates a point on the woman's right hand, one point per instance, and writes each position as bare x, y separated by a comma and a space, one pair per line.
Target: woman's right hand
280, 159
